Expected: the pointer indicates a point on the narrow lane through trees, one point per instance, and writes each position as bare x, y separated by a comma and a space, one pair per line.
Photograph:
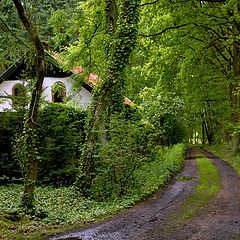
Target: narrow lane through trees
154, 218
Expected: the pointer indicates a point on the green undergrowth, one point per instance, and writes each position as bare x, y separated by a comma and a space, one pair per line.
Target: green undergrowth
60, 209
157, 173
224, 151
206, 189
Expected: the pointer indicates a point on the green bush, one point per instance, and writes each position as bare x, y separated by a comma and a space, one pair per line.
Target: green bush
10, 124
152, 175
61, 139
118, 158
61, 130
164, 112
130, 146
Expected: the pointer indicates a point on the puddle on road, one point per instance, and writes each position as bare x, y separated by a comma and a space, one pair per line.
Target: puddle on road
90, 235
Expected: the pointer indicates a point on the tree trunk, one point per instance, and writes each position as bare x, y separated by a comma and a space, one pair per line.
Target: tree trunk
31, 168
234, 87
203, 133
108, 97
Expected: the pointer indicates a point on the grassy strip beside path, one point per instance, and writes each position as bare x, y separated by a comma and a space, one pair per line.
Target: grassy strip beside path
207, 188
224, 151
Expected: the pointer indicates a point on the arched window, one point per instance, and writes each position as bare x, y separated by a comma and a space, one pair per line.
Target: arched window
19, 95
58, 92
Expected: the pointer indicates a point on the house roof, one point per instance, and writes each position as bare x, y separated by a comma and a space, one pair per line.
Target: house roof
92, 80
16, 70
12, 69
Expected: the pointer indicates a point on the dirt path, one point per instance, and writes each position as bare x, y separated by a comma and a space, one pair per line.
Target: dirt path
151, 220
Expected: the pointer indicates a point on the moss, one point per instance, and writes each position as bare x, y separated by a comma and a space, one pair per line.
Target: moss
207, 188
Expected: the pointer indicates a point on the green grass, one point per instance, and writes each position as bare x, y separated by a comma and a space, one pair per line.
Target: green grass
224, 151
207, 188
157, 173
67, 210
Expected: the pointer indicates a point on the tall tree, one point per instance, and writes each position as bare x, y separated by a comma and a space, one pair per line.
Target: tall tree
122, 24
188, 47
30, 163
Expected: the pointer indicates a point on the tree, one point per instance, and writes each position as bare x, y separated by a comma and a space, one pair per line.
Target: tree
121, 29
188, 48
108, 97
28, 151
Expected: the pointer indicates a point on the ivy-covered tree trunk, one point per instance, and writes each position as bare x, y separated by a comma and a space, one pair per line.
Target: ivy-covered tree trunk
235, 97
29, 137
235, 102
122, 25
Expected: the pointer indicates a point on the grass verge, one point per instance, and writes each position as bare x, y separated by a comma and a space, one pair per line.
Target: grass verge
224, 151
206, 189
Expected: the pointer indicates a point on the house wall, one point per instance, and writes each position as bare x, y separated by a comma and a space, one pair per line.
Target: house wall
80, 99
6, 90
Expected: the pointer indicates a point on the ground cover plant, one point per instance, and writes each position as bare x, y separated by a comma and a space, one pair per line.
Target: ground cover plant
59, 208
224, 151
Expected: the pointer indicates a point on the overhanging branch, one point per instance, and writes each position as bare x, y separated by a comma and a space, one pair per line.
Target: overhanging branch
165, 30
11, 32
148, 3
184, 25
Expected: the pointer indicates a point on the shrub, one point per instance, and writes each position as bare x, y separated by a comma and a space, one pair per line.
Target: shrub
152, 175
163, 111
61, 131
127, 147
62, 136
10, 123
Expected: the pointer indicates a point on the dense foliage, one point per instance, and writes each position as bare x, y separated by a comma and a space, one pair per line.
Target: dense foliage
61, 130
58, 208
61, 140
9, 168
179, 61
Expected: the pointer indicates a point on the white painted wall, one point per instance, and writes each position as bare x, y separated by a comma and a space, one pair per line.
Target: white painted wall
6, 90
80, 99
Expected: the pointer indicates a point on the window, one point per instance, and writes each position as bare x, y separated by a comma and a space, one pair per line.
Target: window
19, 95
58, 92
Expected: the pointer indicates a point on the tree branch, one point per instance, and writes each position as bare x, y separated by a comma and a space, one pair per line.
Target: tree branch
165, 30
184, 25
148, 3
94, 33
8, 29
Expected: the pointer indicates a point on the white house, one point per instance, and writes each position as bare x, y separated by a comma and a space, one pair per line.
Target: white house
57, 86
